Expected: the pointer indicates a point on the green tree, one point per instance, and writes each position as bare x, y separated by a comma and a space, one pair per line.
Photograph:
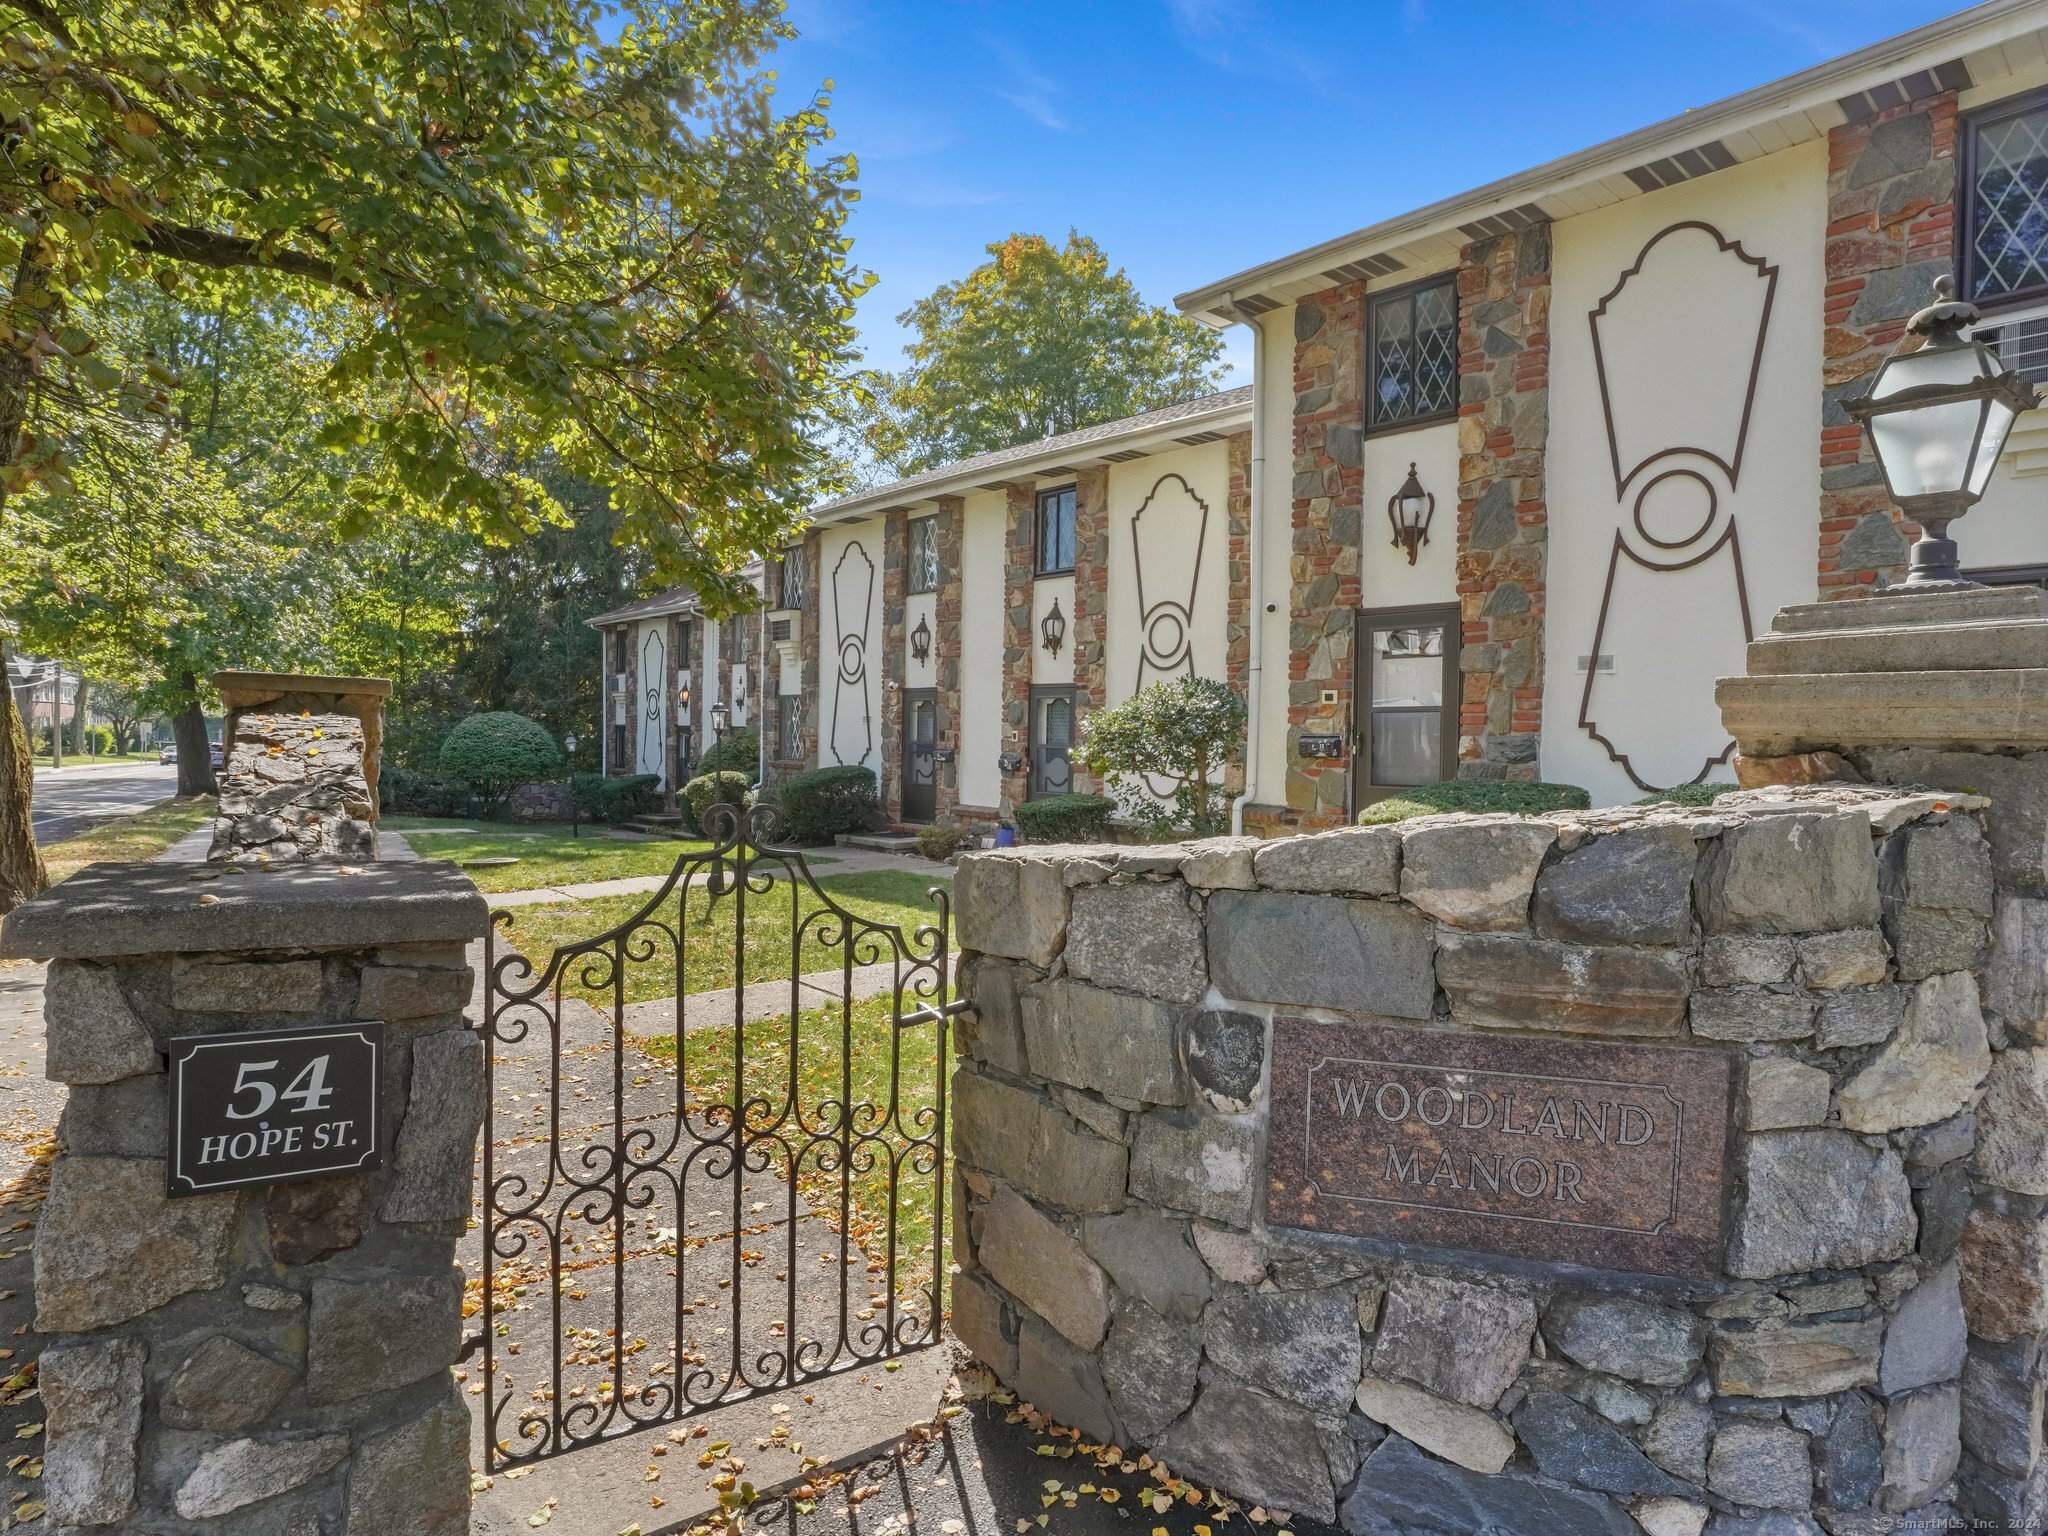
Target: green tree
1177, 735
1038, 339
560, 232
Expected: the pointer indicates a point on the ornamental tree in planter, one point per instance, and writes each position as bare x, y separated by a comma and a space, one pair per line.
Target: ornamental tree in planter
1183, 731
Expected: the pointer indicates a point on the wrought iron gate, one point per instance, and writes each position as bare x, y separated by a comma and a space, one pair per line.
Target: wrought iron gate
773, 1214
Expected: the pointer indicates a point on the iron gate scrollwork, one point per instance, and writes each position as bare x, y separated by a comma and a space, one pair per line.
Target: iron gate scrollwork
653, 1249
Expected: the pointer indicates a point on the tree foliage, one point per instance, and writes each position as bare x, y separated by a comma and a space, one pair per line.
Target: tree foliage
1181, 733
1037, 340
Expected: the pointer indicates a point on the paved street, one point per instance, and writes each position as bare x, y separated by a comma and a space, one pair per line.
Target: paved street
69, 800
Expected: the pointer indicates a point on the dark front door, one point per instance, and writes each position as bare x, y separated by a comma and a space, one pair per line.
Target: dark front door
1406, 701
920, 754
1052, 741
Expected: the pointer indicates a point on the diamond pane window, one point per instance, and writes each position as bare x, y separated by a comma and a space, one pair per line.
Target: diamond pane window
2006, 254
1414, 353
924, 554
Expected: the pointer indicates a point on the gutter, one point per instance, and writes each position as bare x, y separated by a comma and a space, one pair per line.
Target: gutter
1256, 487
1820, 88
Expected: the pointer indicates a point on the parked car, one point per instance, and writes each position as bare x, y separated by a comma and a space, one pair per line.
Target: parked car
216, 754
167, 754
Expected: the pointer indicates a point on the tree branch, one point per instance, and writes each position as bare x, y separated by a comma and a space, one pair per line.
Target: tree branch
211, 248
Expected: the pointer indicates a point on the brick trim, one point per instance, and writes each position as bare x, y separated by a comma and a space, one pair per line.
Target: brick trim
1891, 231
814, 614
1326, 510
1238, 617
1091, 604
1503, 520
895, 580
946, 647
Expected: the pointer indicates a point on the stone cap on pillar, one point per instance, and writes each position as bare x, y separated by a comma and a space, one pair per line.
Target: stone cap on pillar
1965, 669
244, 689
110, 910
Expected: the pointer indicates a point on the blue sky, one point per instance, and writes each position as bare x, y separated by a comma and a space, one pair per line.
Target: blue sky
1193, 138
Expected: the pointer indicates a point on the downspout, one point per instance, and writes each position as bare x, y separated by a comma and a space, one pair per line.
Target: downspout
1257, 618
761, 694
604, 704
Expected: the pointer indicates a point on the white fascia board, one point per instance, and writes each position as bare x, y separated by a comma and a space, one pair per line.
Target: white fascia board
1816, 90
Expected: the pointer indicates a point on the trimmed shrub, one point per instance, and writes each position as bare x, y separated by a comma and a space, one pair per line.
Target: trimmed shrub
1689, 794
737, 751
403, 792
1066, 819
939, 842
612, 800
1186, 728
708, 789
819, 805
1476, 795
495, 753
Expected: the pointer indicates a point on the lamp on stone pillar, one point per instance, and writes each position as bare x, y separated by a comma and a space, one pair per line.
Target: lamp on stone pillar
1938, 418
921, 642
1409, 510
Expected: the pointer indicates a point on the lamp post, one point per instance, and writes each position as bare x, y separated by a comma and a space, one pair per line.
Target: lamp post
569, 767
1938, 419
720, 718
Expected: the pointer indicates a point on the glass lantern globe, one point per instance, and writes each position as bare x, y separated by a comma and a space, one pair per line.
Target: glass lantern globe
1938, 418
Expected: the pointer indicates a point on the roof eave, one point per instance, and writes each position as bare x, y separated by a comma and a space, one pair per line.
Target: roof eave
1820, 87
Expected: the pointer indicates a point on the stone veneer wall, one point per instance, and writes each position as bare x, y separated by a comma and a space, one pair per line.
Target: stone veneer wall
1019, 636
1503, 532
1891, 232
1870, 1351
1327, 496
895, 581
268, 1360
814, 614
1238, 617
1090, 637
293, 786
946, 624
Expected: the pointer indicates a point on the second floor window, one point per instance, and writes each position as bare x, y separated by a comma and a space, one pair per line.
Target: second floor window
1412, 352
1056, 531
2005, 245
924, 554
794, 580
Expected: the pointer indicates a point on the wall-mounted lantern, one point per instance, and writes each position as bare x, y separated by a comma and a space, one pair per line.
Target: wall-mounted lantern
1409, 510
1053, 628
921, 642
1938, 419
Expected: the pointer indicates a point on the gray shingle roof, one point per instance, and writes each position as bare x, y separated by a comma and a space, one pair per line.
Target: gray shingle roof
912, 487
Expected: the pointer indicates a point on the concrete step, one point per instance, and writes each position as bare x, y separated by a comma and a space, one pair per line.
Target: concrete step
878, 842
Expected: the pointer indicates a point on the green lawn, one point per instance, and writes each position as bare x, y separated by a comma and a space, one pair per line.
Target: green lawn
892, 1139
547, 855
78, 759
706, 930
143, 835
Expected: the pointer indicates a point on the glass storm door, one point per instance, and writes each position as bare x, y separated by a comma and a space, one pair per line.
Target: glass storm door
920, 755
1052, 742
1407, 700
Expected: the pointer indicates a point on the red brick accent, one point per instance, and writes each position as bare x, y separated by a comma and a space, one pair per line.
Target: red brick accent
814, 616
1021, 509
1090, 635
1503, 424
946, 647
1238, 615
1891, 231
889, 665
1327, 504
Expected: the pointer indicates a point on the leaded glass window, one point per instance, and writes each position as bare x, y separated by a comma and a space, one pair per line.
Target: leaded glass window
924, 554
795, 579
1055, 531
1413, 351
2006, 256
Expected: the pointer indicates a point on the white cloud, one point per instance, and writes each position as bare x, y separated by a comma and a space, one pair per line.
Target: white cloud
1030, 90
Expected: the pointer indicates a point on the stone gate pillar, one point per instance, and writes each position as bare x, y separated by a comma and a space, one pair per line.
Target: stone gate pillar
272, 1354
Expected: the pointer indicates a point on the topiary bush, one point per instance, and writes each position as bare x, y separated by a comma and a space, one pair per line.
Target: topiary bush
495, 753
709, 789
1689, 794
1476, 795
1066, 819
1184, 729
612, 800
737, 751
819, 805
403, 792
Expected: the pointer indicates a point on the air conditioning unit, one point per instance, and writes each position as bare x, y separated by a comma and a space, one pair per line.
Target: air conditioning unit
786, 634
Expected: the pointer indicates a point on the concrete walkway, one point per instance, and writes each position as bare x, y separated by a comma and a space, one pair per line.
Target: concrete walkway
191, 848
